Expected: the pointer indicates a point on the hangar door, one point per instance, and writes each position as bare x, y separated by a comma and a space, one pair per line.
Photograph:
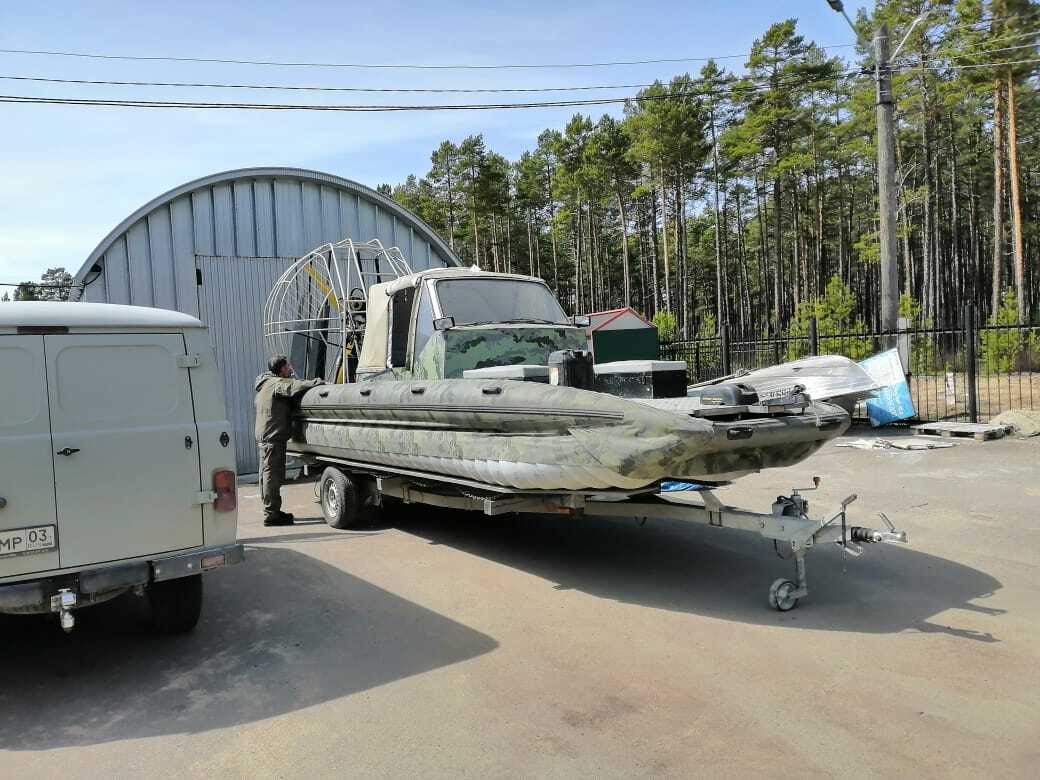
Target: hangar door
232, 293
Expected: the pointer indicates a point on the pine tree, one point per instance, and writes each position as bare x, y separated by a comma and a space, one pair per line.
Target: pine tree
725, 200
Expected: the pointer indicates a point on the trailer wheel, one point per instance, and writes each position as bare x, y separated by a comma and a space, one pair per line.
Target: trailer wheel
341, 501
175, 605
781, 595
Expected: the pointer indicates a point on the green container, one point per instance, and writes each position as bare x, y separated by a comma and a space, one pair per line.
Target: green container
634, 344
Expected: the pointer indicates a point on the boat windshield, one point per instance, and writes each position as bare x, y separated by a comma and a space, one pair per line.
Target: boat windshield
498, 301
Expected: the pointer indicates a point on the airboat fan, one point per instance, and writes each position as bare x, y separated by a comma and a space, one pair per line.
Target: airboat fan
315, 313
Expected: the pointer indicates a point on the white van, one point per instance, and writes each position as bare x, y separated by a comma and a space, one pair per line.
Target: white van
117, 468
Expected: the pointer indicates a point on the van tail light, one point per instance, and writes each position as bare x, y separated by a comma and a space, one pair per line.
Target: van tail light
224, 487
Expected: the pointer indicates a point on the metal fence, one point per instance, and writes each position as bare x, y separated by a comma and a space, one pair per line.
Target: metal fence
970, 372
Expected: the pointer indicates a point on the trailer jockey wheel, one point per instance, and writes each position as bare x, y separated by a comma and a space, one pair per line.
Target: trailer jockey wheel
340, 502
781, 595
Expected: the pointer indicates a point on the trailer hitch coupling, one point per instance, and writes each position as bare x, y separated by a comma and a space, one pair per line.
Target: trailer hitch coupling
63, 603
873, 536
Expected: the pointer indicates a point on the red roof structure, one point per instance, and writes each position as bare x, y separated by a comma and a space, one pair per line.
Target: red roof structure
619, 319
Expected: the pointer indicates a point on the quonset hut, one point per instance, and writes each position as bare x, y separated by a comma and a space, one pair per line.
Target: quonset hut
214, 247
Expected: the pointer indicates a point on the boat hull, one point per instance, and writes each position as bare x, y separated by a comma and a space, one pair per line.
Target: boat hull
529, 436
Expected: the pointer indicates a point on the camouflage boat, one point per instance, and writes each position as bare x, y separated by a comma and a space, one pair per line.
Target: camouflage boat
439, 390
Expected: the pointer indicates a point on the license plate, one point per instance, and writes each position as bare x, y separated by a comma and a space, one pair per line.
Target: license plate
25, 541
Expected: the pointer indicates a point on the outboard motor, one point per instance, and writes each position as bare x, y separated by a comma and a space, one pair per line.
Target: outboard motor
571, 368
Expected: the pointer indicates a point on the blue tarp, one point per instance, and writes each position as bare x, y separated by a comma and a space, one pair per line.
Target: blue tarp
893, 400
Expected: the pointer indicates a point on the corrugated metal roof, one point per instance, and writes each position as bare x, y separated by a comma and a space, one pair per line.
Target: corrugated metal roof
149, 259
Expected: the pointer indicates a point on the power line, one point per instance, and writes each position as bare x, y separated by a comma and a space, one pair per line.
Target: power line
387, 66
960, 55
368, 108
996, 36
427, 66
984, 50
314, 88
1001, 37
36, 284
984, 45
376, 108
1008, 18
985, 23
311, 88
978, 65
279, 87
126, 103
979, 49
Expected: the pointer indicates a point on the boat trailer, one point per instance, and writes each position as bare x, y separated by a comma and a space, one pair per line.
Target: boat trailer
350, 491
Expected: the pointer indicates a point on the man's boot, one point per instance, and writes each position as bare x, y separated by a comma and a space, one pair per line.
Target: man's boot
282, 518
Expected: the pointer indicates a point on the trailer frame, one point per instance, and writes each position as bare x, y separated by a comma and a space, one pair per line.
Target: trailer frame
366, 486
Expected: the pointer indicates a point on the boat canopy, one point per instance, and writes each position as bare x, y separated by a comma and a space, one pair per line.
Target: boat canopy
374, 348
413, 280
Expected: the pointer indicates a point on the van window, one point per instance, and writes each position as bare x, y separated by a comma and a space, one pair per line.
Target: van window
18, 371
423, 323
114, 383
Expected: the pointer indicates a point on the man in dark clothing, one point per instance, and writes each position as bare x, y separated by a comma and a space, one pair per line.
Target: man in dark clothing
276, 394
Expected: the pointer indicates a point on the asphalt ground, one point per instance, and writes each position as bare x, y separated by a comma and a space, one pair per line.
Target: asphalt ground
447, 644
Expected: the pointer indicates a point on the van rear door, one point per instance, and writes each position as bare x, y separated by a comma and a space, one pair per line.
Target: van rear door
126, 461
27, 518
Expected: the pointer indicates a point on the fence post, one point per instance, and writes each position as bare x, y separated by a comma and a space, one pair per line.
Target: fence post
970, 334
724, 348
903, 344
814, 337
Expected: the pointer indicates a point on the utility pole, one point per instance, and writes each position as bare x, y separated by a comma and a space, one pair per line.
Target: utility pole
887, 192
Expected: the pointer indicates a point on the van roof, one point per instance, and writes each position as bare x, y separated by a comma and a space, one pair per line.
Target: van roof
15, 314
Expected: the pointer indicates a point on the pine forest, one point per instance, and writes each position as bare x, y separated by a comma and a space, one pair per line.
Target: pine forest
750, 198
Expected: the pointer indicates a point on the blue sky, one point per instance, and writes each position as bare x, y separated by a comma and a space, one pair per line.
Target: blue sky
68, 175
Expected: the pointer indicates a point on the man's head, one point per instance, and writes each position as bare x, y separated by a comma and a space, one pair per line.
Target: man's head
279, 365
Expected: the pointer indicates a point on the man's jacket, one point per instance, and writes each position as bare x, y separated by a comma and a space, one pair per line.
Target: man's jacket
275, 397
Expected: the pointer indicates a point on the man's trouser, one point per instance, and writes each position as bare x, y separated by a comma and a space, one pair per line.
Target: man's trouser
272, 474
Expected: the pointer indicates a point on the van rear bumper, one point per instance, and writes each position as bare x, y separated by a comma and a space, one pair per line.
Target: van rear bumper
99, 584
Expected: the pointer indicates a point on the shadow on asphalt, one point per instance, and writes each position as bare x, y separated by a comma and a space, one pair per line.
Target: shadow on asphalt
721, 572
309, 537
278, 633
